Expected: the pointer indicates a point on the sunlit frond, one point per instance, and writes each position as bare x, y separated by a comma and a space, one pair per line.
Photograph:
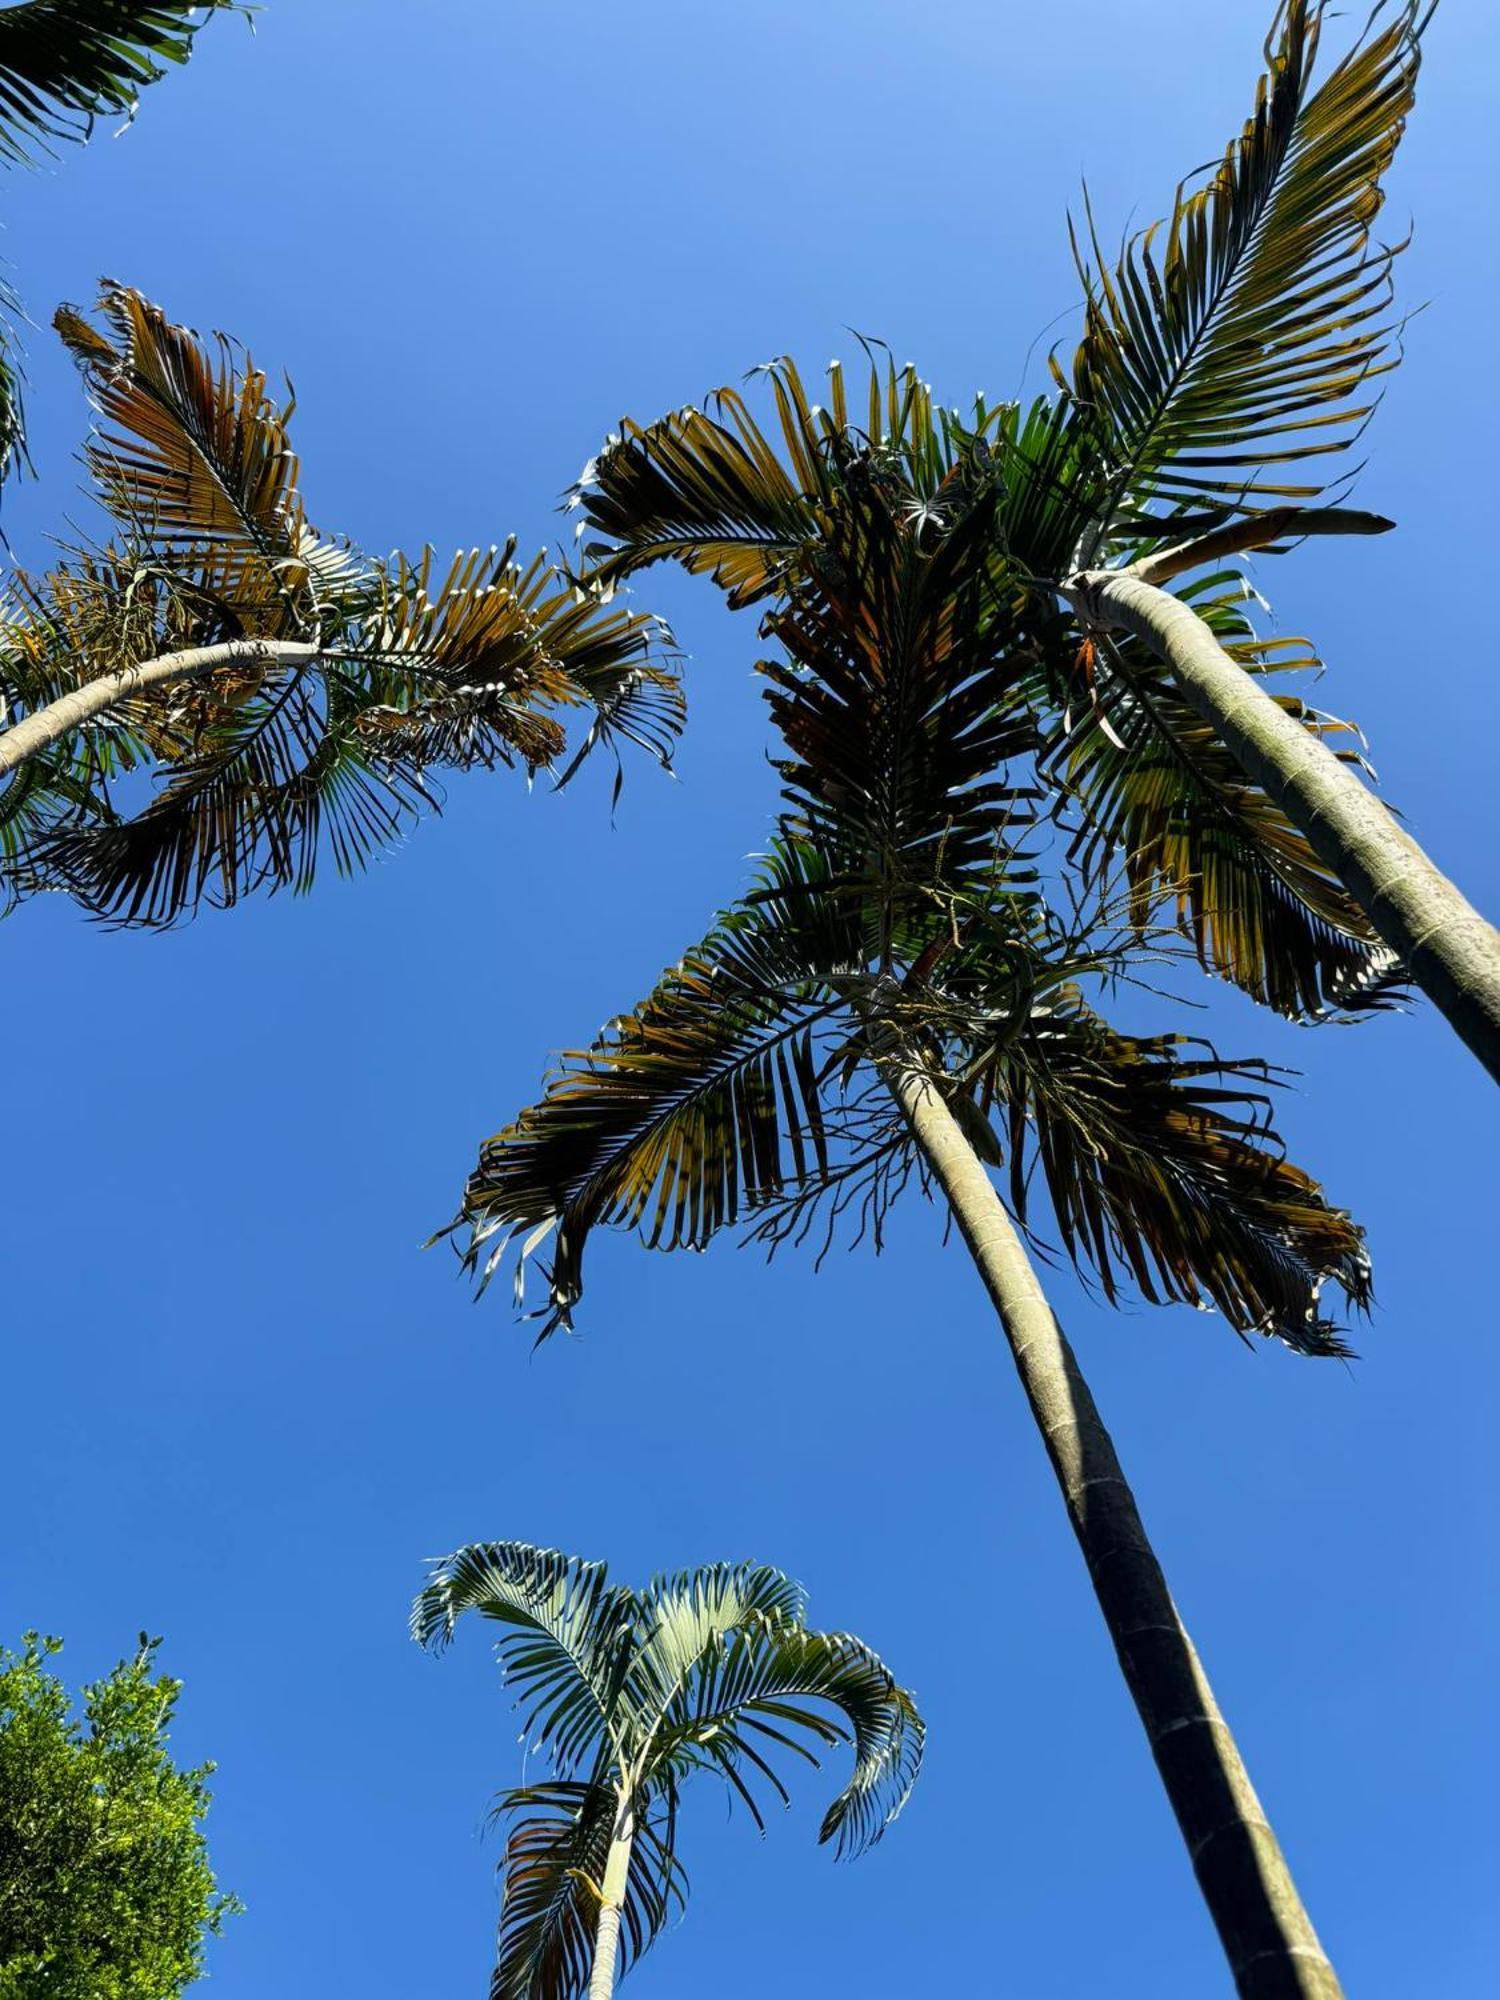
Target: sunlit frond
564, 1642
195, 459
1235, 346
768, 1685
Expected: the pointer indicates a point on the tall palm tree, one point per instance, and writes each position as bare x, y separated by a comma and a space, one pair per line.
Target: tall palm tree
1231, 350
290, 694
894, 998
63, 65
630, 1694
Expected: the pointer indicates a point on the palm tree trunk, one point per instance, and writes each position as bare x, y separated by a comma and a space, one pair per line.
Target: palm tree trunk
616, 1877
1272, 1947
70, 711
1453, 954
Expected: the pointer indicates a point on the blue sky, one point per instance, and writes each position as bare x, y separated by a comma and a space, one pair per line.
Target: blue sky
242, 1407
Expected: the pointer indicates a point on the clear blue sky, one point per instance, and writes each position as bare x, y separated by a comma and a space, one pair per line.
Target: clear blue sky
241, 1407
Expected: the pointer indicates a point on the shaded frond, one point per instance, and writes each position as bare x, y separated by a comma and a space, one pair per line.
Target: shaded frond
1161, 1164
1245, 333
703, 1104
64, 63
555, 1852
1153, 783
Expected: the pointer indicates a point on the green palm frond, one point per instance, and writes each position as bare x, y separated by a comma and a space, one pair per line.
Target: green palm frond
1160, 1163
767, 1684
1245, 333
66, 63
555, 1851
564, 1642
1153, 784
704, 1104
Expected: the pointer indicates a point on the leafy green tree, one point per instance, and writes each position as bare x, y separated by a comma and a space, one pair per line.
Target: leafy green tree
632, 1693
106, 1892
291, 696
63, 65
894, 999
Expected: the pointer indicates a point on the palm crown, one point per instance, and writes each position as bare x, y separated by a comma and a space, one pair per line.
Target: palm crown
897, 915
1226, 355
631, 1693
343, 683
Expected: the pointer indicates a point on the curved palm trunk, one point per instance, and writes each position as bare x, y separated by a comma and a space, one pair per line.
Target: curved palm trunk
616, 1877
1272, 1947
70, 711
1453, 954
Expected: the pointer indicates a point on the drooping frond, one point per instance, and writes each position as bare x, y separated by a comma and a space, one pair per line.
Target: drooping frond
555, 1856
1236, 345
1160, 1164
702, 1105
770, 1685
64, 63
564, 1643
1153, 783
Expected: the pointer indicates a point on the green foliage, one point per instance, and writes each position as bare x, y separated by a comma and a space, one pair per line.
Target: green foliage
106, 1892
629, 1694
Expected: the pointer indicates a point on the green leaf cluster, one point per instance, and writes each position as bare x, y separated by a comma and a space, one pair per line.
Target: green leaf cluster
106, 1892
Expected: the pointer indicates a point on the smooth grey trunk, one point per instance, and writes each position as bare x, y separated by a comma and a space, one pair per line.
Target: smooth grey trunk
1267, 1935
1452, 953
70, 711
616, 1879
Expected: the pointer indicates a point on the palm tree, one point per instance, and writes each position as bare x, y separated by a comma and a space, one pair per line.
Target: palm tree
291, 694
63, 65
630, 1694
894, 997
1232, 342
1243, 337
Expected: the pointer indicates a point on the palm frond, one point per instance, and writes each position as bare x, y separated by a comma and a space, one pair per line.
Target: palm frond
703, 1104
195, 459
65, 63
1246, 333
564, 1643
769, 1684
1160, 1163
1153, 783
555, 1852
680, 1614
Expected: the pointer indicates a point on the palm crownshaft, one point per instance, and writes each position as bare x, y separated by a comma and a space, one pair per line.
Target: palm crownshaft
631, 1694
